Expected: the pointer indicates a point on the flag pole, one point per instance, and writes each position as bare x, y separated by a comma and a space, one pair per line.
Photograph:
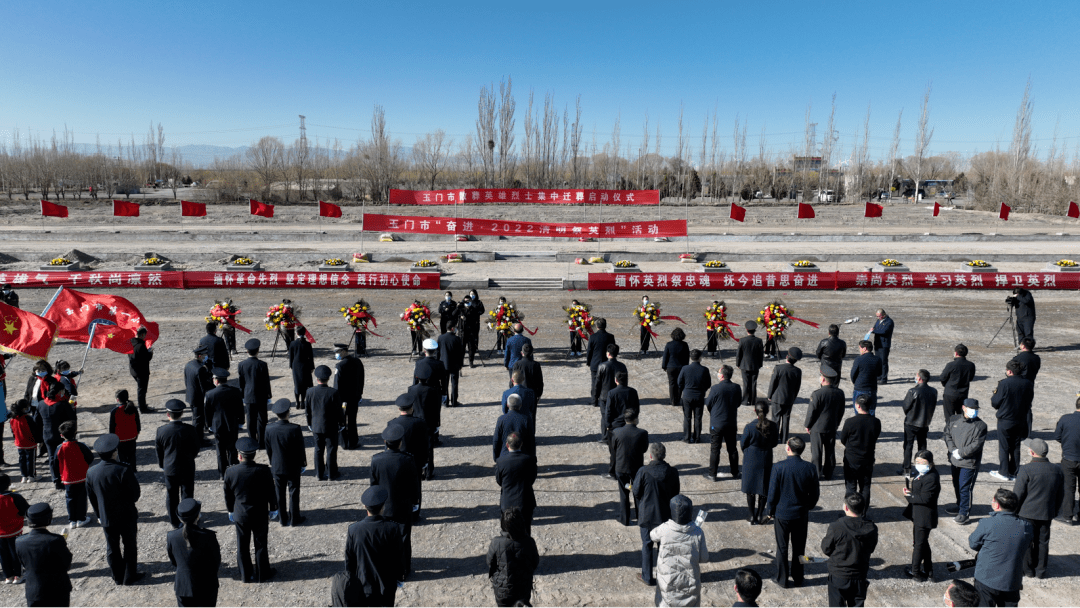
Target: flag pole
89, 343
363, 207
55, 295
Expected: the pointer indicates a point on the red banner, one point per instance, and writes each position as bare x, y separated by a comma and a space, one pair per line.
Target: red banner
524, 195
309, 280
467, 225
125, 208
1074, 210
1003, 213
190, 209
740, 281
110, 320
54, 279
705, 281
24, 333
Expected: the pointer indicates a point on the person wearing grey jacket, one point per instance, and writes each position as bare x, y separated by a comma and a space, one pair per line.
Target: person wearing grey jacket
1040, 486
965, 436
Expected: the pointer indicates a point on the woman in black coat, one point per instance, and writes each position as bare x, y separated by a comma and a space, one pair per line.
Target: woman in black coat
759, 439
676, 355
922, 510
197, 556
512, 559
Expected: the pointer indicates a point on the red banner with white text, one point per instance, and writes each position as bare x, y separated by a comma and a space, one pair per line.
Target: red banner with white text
738, 281
202, 280
559, 196
468, 225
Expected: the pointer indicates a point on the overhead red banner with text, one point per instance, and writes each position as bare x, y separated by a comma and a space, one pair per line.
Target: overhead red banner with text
558, 196
200, 280
468, 225
601, 281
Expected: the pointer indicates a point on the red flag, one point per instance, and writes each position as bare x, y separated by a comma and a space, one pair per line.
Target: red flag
806, 212
872, 210
1074, 210
737, 213
76, 314
190, 209
24, 333
329, 210
937, 209
52, 209
263, 209
125, 208
1004, 212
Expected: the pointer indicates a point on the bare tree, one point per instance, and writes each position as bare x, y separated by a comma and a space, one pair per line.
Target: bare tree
1020, 149
575, 145
894, 149
922, 139
301, 164
380, 158
827, 142
506, 133
430, 154
530, 143
175, 171
265, 158
485, 133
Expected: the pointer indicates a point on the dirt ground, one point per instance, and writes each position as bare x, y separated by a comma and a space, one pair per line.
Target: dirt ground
587, 558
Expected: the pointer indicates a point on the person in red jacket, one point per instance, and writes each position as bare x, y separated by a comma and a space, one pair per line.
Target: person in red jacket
12, 510
73, 459
125, 423
27, 437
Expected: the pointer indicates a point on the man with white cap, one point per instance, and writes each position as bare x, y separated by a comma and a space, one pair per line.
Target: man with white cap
252, 503
255, 382
373, 552
349, 383
1040, 487
177, 446
113, 492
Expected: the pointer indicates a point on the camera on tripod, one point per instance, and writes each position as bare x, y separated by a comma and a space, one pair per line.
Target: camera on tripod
1012, 302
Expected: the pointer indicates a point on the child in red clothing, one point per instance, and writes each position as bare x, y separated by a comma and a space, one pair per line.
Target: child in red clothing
125, 423
27, 437
73, 458
12, 510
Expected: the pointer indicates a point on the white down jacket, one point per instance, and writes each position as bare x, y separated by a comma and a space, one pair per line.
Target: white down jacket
678, 570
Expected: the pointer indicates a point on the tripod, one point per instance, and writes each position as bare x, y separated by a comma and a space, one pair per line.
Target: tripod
1008, 321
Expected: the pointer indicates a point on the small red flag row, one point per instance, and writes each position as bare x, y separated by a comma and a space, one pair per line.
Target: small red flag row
805, 211
187, 209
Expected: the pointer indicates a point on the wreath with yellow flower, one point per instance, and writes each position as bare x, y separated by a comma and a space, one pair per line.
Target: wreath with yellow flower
579, 319
890, 262
224, 313
1066, 264
333, 262
716, 320
624, 264
282, 316
502, 319
243, 262
425, 264
648, 316
358, 316
979, 264
715, 264
803, 264
418, 316
60, 261
153, 261
776, 317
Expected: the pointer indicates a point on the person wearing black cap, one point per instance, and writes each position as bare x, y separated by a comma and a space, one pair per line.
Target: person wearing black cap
859, 438
723, 403
324, 418
349, 382
177, 447
197, 381
417, 439
604, 381
427, 403
45, 560
823, 417
225, 414
1012, 399
832, 350
784, 387
126, 423
965, 435
139, 366
13, 508
288, 460
693, 383
113, 492
956, 378
681, 552
373, 552
215, 346
252, 503
794, 490
919, 405
452, 356
196, 553
1040, 487
302, 363
255, 383
1025, 312
396, 472
749, 359
515, 473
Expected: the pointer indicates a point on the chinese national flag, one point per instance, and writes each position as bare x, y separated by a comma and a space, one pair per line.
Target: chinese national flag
937, 209
24, 333
76, 313
263, 209
738, 213
1074, 210
125, 209
329, 210
1004, 212
53, 210
872, 210
190, 209
806, 212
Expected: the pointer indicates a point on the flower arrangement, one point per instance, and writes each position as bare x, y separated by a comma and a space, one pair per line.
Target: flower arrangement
334, 262
890, 262
418, 316
359, 258
687, 256
224, 313
716, 319
1066, 264
503, 317
776, 318
60, 261
359, 315
455, 257
282, 316
579, 319
242, 262
648, 315
979, 264
153, 261
715, 264
425, 264
624, 264
803, 264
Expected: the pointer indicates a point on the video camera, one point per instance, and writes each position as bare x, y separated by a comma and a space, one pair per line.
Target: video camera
1012, 302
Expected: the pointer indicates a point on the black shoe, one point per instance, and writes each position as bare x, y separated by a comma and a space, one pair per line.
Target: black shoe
273, 573
1064, 521
608, 476
918, 577
963, 520
296, 521
710, 477
134, 578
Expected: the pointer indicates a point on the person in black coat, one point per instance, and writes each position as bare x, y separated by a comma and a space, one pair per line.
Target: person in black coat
45, 560
9, 296
723, 403
832, 350
470, 311
349, 382
288, 460
515, 472
693, 384
447, 312
823, 417
113, 492
429, 359
859, 438
919, 405
1012, 399
1025, 312
373, 551
514, 421
784, 387
255, 383
452, 356
251, 502
793, 491
196, 553
956, 378
1030, 363
324, 418
177, 446
883, 331
645, 332
512, 559
676, 356
865, 374
417, 439
621, 399
224, 413
302, 363
749, 359
654, 486
53, 411
849, 543
758, 440
922, 510
531, 371
396, 472
630, 444
1040, 487
596, 352
427, 403
603, 382
216, 348
139, 366
197, 381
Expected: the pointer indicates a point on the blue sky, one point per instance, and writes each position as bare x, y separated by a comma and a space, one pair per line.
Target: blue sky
227, 73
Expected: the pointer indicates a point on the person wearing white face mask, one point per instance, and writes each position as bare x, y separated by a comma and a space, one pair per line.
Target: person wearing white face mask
922, 510
448, 309
965, 435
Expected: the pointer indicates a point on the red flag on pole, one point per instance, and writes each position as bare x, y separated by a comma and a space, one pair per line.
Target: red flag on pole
872, 210
937, 209
190, 209
76, 313
806, 212
329, 210
1004, 212
125, 209
738, 213
24, 333
263, 209
1074, 210
52, 209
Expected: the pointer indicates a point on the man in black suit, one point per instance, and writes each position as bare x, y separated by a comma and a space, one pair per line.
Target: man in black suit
676, 356
113, 492
396, 472
596, 352
654, 486
1067, 433
1030, 363
514, 421
1040, 486
373, 552
865, 374
922, 510
470, 312
515, 472
694, 382
956, 378
349, 382
620, 399
1025, 312
832, 350
177, 447
302, 363
823, 417
531, 371
603, 382
1012, 399
254, 378
324, 418
749, 359
793, 492
196, 553
447, 312
452, 356
288, 460
429, 358
196, 382
45, 560
883, 331
251, 502
859, 438
417, 440
224, 413
216, 348
919, 405
783, 389
139, 366
630, 444
723, 403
